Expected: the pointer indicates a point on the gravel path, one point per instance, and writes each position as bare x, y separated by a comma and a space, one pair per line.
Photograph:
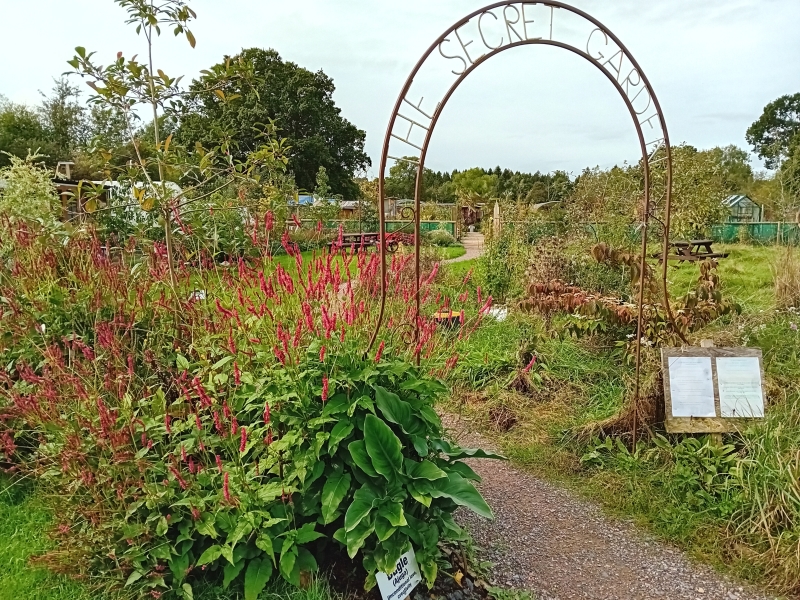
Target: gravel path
473, 244
547, 541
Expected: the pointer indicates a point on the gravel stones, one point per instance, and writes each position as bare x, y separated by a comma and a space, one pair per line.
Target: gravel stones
547, 541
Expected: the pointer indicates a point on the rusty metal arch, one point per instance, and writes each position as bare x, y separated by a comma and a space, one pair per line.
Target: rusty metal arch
641, 84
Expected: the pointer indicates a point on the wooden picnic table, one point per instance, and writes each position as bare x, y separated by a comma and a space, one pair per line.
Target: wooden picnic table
693, 250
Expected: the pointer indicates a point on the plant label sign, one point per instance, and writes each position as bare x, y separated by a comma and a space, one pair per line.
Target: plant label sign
402, 581
712, 390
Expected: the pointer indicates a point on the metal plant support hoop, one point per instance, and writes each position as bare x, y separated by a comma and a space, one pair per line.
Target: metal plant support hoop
498, 27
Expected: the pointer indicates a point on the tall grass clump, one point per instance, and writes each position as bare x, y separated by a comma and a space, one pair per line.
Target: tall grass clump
787, 279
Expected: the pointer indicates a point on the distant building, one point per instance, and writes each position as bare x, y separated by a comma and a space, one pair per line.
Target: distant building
742, 209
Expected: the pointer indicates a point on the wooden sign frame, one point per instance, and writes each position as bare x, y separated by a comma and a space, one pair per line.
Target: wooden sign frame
717, 424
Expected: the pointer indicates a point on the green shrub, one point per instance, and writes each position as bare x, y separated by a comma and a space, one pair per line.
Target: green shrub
441, 238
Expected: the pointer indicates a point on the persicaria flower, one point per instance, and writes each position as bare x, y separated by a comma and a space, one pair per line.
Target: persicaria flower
226, 492
243, 442
268, 441
269, 221
379, 354
237, 375
266, 413
322, 354
325, 388
219, 462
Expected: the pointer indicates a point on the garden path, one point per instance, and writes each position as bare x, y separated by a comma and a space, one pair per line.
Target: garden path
547, 541
473, 244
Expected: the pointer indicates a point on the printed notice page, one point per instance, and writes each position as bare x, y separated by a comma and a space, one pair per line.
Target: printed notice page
740, 393
691, 386
402, 580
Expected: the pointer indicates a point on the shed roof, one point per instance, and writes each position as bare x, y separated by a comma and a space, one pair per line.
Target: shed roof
735, 199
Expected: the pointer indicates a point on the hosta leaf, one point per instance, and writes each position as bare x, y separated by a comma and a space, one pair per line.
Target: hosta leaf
383, 529
424, 470
464, 470
256, 577
357, 536
358, 452
384, 447
394, 514
420, 445
398, 411
333, 493
363, 501
462, 492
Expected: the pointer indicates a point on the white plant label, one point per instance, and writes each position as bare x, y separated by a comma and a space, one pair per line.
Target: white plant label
402, 581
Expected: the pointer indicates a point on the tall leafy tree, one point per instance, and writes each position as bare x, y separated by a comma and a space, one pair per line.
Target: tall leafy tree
772, 134
298, 101
735, 168
64, 118
22, 132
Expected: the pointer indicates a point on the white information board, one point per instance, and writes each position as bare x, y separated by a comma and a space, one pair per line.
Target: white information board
692, 386
740, 392
402, 581
712, 390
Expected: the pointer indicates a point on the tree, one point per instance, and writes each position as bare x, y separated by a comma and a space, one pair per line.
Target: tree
734, 164
21, 133
475, 185
29, 192
64, 119
771, 135
299, 102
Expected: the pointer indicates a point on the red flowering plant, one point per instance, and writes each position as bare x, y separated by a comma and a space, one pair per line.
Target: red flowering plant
234, 427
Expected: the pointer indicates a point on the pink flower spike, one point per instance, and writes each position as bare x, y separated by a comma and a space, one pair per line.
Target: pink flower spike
322, 354
243, 442
325, 389
379, 354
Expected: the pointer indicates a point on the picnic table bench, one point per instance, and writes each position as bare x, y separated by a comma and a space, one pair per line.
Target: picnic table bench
359, 240
692, 251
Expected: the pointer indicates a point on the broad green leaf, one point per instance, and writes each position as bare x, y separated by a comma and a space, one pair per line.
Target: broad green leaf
231, 572
358, 452
256, 577
394, 514
211, 554
205, 525
420, 495
462, 492
464, 470
384, 447
264, 542
340, 432
383, 529
357, 537
424, 470
188, 594
133, 578
227, 553
162, 526
243, 528
333, 493
458, 453
307, 534
398, 411
430, 570
420, 445
363, 501
178, 565
288, 561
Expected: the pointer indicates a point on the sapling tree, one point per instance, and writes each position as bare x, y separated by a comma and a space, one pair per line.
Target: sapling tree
131, 88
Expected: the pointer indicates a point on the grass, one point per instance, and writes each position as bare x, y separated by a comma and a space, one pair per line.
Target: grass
24, 523
451, 252
749, 525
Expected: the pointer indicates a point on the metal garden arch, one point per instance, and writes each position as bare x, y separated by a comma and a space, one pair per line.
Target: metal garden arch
494, 29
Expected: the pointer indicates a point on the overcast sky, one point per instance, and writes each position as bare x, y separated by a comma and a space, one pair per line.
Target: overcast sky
714, 64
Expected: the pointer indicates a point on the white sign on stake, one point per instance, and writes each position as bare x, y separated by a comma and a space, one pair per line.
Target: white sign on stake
402, 581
